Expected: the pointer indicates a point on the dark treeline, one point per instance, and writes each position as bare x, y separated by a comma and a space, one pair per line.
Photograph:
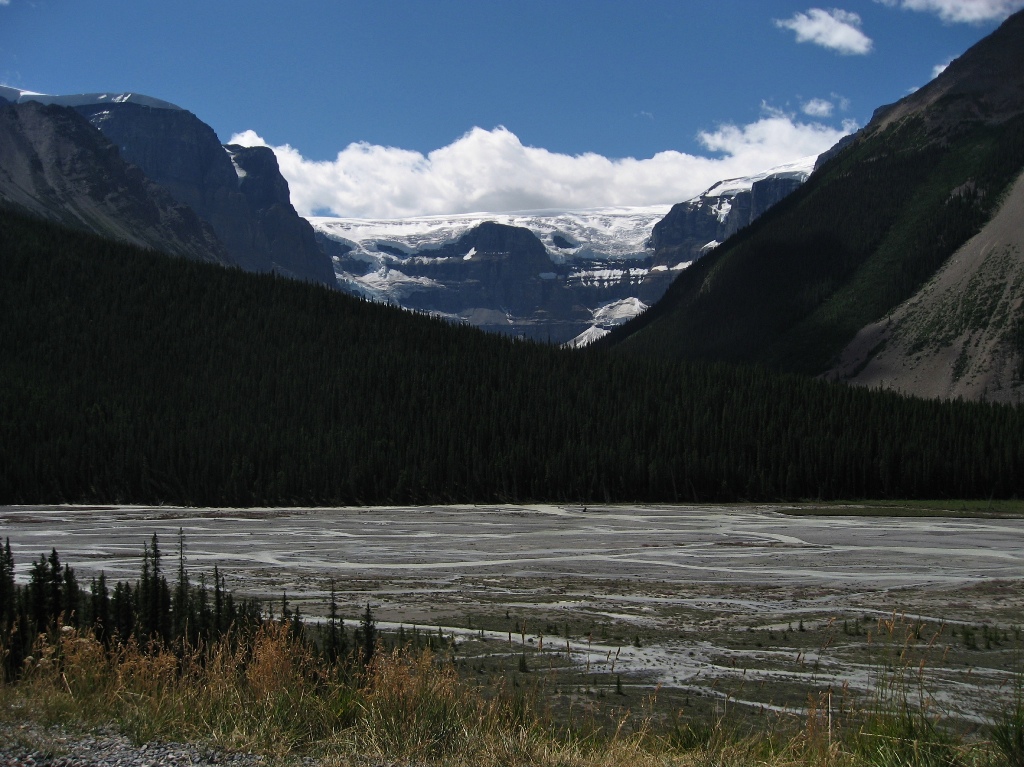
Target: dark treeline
149, 610
180, 615
126, 376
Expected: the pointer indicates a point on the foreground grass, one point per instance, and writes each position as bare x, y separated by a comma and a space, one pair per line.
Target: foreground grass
272, 694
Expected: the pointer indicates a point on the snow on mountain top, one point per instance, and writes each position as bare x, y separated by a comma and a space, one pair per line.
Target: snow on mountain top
800, 169
613, 233
587, 337
618, 312
19, 96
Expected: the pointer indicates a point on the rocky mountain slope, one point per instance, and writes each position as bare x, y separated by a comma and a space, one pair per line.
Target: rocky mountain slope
54, 165
238, 191
693, 228
961, 335
875, 236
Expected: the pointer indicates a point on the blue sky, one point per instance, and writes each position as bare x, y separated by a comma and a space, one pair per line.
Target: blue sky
397, 87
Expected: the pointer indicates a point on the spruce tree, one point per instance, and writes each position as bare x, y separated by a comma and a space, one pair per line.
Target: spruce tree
368, 630
6, 585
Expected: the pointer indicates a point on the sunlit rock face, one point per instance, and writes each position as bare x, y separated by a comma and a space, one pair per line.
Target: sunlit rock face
238, 190
54, 165
693, 227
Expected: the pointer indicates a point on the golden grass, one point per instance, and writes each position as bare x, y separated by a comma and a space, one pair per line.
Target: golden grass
272, 694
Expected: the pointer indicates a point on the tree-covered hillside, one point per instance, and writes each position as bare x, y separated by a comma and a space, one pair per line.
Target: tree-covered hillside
864, 234
127, 376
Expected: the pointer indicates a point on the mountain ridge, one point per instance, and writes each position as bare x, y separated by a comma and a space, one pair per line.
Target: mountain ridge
873, 225
606, 265
55, 165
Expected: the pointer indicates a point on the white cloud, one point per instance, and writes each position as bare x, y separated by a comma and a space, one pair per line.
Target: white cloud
836, 29
938, 69
961, 11
493, 171
818, 108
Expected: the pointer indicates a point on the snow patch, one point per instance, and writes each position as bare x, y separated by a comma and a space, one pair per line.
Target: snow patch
239, 171
587, 337
19, 96
619, 312
386, 284
606, 317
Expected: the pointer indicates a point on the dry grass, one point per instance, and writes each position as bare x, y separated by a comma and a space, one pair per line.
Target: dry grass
273, 695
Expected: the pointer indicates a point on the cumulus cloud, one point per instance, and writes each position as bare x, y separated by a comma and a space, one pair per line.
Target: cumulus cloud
836, 29
938, 69
818, 108
961, 11
493, 171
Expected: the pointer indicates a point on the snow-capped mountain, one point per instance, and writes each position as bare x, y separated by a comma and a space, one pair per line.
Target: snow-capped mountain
603, 266
18, 96
237, 192
694, 227
612, 234
596, 270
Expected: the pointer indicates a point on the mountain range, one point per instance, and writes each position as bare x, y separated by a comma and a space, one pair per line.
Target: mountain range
132, 376
891, 261
897, 265
147, 172
602, 266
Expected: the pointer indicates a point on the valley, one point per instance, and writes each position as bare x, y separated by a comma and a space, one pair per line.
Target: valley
699, 609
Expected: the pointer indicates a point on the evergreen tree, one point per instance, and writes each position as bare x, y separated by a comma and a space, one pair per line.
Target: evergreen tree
7, 592
336, 644
368, 633
100, 607
181, 604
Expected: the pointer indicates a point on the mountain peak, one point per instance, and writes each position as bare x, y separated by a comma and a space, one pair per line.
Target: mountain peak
18, 96
975, 86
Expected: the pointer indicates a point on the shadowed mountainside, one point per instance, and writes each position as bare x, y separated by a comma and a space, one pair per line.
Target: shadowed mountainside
872, 226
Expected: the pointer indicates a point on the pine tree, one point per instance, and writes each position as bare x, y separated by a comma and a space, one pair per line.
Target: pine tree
100, 607
6, 585
368, 631
180, 605
336, 644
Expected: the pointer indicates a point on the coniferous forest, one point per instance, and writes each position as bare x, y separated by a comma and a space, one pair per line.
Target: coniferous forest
183, 614
128, 376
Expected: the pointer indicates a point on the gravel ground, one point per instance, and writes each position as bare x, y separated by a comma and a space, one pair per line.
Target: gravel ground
30, 745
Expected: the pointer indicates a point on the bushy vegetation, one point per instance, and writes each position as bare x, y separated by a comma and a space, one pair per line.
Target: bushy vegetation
126, 376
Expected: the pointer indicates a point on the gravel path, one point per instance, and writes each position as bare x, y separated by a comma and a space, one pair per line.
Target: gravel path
30, 745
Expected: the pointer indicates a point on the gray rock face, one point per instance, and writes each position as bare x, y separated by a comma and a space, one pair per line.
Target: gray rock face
693, 227
53, 164
239, 191
286, 239
770, 191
